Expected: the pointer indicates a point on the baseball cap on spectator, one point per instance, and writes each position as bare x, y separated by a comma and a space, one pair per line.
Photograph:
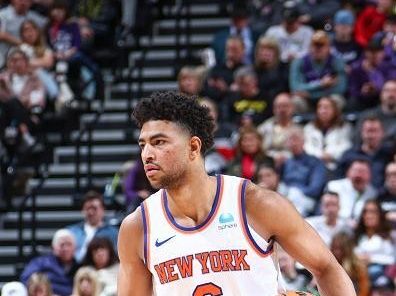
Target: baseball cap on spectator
376, 42
344, 17
320, 38
291, 12
14, 289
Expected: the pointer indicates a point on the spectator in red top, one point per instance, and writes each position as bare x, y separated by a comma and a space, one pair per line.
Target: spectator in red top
371, 20
249, 154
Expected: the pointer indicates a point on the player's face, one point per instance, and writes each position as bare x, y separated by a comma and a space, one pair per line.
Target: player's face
165, 150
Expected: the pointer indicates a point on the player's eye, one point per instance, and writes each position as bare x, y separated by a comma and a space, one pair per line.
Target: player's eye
159, 142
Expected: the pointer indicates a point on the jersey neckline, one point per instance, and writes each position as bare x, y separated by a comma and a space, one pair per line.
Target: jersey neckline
208, 219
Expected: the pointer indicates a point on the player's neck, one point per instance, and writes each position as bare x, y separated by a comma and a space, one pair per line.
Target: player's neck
191, 202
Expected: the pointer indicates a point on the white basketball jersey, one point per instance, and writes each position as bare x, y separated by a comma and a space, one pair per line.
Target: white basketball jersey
221, 256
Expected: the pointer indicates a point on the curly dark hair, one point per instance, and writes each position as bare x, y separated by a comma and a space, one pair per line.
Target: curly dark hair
178, 108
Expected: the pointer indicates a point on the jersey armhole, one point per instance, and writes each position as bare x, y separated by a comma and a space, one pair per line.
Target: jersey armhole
245, 226
146, 233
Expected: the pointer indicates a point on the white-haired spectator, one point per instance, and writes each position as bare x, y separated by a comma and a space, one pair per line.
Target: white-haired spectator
59, 266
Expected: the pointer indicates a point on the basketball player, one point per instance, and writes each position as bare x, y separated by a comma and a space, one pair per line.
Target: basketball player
201, 235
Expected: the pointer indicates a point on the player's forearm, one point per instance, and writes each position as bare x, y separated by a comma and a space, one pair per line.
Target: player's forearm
334, 282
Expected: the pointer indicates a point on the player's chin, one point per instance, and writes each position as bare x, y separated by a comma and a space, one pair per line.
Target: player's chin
155, 182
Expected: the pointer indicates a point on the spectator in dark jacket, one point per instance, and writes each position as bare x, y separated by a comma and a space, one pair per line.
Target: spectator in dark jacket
239, 28
59, 266
305, 175
369, 76
372, 148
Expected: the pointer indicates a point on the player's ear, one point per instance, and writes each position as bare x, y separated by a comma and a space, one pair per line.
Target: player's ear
195, 147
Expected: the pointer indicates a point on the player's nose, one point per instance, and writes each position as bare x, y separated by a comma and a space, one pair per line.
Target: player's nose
147, 153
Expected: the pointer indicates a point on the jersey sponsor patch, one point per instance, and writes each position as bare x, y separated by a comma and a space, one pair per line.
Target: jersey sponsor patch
226, 221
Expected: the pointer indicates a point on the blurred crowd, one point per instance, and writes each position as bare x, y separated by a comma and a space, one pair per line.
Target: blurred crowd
303, 95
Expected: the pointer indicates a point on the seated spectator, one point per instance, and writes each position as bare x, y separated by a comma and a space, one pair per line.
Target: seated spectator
93, 225
368, 76
387, 195
59, 266
373, 241
136, 186
386, 111
389, 40
371, 20
303, 174
328, 223
86, 282
97, 21
317, 74
372, 148
240, 28
249, 154
267, 177
64, 38
221, 76
14, 288
272, 74
292, 36
39, 285
343, 44
342, 247
11, 18
354, 190
216, 159
41, 57
102, 257
328, 136
22, 96
190, 80
275, 129
247, 101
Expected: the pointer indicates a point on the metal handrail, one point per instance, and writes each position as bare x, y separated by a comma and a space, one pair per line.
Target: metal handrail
33, 197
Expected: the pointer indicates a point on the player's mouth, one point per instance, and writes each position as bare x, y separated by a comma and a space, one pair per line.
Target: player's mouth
150, 169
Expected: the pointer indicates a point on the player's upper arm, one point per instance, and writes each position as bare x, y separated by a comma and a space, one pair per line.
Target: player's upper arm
271, 215
134, 278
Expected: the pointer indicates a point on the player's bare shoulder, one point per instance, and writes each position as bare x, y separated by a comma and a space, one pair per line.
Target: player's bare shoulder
131, 233
258, 196
267, 210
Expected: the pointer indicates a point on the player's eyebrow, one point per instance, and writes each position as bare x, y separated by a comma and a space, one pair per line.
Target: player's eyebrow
153, 137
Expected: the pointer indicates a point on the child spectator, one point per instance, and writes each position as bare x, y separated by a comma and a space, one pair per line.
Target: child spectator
86, 282
39, 285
